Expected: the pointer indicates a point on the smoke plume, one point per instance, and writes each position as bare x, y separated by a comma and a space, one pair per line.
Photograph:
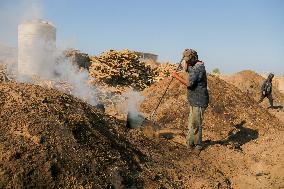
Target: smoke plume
131, 107
54, 67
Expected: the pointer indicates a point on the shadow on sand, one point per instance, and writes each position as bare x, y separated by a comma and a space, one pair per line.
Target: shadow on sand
236, 138
280, 107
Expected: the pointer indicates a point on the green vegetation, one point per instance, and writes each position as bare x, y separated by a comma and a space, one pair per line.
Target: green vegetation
216, 71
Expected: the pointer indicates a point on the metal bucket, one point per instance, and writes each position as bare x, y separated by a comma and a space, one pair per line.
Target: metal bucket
134, 120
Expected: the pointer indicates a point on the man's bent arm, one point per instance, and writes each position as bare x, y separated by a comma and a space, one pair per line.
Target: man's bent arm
182, 80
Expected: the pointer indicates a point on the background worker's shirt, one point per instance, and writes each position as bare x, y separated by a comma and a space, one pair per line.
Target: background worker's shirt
197, 86
267, 87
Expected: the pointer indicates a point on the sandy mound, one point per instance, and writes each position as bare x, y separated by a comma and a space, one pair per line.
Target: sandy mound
230, 110
280, 83
250, 83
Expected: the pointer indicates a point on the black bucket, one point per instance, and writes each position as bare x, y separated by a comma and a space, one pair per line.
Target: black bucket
100, 107
134, 120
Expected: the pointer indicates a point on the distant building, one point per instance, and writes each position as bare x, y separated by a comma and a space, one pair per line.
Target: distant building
147, 56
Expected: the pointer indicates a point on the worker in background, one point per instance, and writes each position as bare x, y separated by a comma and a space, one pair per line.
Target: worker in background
197, 95
266, 90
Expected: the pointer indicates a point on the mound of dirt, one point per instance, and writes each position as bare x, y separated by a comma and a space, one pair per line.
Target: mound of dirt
250, 83
229, 111
50, 139
53, 140
280, 83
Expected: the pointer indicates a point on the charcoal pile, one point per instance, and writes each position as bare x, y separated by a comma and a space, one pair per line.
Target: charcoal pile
122, 68
52, 140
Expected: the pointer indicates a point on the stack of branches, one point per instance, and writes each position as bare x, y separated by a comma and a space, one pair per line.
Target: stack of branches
122, 68
3, 73
82, 60
165, 70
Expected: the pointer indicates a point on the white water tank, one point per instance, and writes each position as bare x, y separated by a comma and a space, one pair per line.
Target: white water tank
36, 47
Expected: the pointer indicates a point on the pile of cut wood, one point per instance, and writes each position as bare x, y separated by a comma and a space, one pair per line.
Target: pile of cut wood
165, 70
3, 73
78, 58
122, 68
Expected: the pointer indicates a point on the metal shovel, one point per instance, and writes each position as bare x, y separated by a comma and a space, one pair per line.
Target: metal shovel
134, 121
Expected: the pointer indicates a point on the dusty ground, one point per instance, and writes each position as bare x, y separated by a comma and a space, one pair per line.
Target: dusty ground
258, 165
51, 140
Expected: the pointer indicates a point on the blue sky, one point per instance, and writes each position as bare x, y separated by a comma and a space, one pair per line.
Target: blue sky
229, 35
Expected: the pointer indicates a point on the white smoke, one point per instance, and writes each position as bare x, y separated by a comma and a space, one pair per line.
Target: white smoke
11, 14
33, 9
78, 79
54, 67
133, 99
8, 55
